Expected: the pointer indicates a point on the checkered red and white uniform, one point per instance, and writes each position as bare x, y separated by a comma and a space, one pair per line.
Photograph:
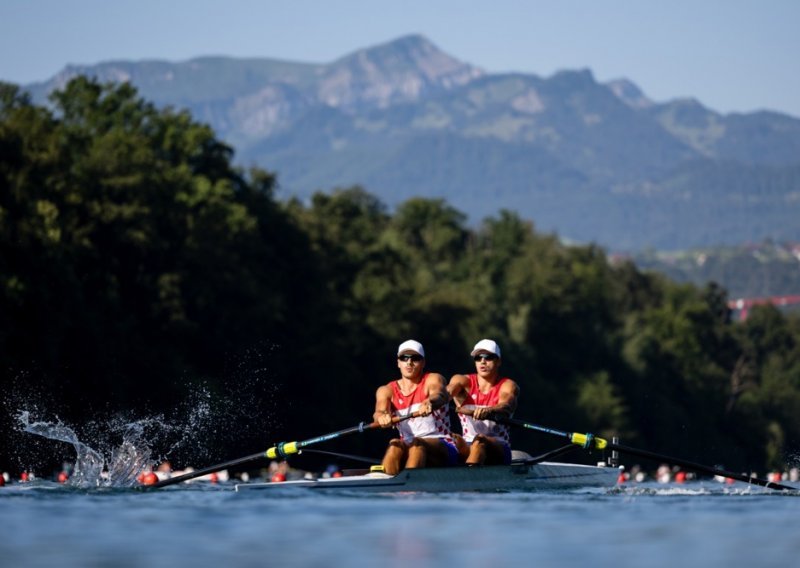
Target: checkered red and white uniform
477, 399
435, 425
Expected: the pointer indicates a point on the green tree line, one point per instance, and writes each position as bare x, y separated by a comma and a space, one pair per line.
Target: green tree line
137, 261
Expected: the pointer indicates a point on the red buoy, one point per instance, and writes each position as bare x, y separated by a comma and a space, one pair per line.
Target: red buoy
62, 477
148, 478
277, 477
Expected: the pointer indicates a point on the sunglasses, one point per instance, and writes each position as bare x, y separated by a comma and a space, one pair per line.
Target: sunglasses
414, 358
485, 357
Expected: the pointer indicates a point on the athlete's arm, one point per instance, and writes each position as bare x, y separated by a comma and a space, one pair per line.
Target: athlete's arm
457, 389
506, 403
436, 393
383, 406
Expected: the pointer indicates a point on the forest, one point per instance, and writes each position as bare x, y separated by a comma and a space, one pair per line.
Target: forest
139, 267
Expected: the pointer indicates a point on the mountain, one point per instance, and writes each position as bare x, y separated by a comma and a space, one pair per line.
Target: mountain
747, 271
591, 161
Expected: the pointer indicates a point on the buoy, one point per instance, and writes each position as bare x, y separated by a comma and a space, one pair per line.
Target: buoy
680, 477
622, 478
336, 474
148, 478
62, 477
213, 478
277, 477
23, 476
2, 480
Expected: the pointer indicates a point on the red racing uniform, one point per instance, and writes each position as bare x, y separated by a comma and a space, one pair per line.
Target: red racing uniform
477, 399
435, 425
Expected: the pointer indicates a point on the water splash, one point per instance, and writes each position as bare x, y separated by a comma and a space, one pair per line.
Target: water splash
214, 419
113, 451
88, 470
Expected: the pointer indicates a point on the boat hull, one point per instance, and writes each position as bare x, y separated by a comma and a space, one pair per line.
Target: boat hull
545, 475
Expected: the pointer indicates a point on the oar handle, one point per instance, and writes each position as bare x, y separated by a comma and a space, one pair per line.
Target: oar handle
497, 416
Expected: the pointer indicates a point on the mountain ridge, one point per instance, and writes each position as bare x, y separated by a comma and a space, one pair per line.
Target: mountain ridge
592, 161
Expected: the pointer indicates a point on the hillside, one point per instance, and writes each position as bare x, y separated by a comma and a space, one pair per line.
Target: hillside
749, 271
590, 161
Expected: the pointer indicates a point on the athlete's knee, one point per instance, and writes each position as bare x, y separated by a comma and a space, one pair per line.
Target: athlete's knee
461, 446
417, 454
478, 450
392, 460
417, 448
480, 440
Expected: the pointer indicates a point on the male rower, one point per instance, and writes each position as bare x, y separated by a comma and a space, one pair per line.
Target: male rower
424, 440
482, 398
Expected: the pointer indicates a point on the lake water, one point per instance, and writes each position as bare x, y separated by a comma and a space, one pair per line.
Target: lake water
199, 524
100, 519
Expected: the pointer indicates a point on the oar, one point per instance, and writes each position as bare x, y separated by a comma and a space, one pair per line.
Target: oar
547, 456
282, 450
529, 461
589, 440
351, 457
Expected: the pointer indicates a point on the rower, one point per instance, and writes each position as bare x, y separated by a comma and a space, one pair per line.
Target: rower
482, 398
425, 439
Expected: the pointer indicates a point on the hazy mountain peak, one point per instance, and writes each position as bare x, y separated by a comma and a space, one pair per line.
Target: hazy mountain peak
398, 71
629, 93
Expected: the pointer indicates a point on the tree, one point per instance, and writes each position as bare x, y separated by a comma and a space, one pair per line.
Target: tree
135, 255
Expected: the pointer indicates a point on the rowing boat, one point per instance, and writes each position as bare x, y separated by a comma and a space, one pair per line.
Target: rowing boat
514, 477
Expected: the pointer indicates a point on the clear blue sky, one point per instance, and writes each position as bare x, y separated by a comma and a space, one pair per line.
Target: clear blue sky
732, 55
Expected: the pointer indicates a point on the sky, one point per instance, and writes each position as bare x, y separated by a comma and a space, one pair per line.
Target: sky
731, 55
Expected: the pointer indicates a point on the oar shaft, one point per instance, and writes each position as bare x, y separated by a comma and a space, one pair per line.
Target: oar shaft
285, 449
550, 455
697, 466
538, 428
360, 428
206, 470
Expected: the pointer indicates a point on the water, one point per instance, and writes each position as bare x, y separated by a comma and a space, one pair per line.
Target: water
100, 518
700, 523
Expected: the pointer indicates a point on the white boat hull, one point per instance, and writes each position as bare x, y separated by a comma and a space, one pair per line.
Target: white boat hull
545, 475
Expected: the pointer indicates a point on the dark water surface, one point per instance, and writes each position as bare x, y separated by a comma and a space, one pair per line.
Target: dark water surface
700, 523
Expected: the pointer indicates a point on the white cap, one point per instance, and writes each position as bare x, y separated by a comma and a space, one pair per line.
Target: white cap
411, 345
486, 345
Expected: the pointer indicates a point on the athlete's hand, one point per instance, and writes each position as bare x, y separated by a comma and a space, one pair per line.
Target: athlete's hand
483, 413
385, 420
425, 408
